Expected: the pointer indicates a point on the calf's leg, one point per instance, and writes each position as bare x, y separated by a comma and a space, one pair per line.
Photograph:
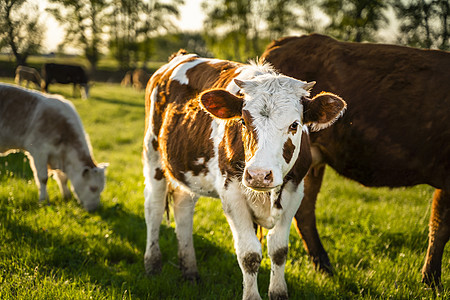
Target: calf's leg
183, 209
439, 234
305, 220
247, 245
38, 164
61, 179
155, 193
278, 240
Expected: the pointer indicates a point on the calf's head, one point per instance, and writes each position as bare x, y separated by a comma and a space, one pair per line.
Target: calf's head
88, 185
273, 110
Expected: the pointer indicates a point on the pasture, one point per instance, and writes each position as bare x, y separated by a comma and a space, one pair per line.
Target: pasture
376, 238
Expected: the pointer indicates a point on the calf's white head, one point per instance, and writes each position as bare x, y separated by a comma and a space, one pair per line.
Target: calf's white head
88, 185
273, 111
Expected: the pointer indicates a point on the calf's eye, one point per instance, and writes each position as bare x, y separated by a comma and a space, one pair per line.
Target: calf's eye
294, 126
242, 121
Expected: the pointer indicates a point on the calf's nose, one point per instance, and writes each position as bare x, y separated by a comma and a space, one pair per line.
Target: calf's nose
258, 178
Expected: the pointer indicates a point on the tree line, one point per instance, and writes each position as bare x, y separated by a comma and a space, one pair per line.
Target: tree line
134, 31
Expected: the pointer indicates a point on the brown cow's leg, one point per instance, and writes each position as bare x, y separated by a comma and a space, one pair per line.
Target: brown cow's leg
305, 220
438, 237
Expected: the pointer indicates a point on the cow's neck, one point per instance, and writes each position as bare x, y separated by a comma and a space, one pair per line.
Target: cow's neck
73, 161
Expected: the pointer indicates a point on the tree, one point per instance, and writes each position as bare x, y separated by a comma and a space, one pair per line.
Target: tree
133, 24
232, 27
21, 31
355, 20
84, 22
424, 23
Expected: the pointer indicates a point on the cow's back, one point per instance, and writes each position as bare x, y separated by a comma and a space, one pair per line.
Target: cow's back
30, 119
64, 73
396, 129
17, 112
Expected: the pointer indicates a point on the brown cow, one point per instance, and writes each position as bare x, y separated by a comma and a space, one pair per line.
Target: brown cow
395, 132
137, 78
140, 78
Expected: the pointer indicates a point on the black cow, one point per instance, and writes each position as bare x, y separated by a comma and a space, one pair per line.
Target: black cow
65, 74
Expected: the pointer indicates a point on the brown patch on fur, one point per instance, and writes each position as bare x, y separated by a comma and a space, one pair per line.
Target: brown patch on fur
155, 144
205, 76
303, 162
251, 262
186, 140
288, 150
159, 174
231, 152
277, 203
279, 257
249, 135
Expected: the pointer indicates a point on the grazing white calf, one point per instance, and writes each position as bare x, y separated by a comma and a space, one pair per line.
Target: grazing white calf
239, 132
50, 132
27, 74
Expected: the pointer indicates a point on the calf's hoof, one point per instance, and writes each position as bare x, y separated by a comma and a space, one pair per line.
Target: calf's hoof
153, 264
278, 296
191, 277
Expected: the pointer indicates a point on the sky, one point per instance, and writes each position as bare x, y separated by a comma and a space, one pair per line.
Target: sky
191, 19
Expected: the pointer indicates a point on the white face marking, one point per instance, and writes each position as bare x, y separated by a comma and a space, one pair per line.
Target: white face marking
274, 104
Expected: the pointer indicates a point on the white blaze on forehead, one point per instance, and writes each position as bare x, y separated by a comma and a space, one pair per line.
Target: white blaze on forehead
179, 73
248, 72
274, 100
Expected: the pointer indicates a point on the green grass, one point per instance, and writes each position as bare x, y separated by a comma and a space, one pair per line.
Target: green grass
376, 238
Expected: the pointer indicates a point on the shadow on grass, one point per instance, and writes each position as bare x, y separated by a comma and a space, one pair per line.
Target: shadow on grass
15, 165
115, 267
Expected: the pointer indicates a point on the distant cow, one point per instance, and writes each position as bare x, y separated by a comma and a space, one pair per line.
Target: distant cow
140, 79
127, 79
49, 131
28, 74
222, 129
137, 78
66, 74
396, 131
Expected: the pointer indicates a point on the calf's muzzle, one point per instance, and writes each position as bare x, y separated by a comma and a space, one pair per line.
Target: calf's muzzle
258, 179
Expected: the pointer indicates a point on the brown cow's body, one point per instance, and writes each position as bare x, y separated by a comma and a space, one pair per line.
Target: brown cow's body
395, 132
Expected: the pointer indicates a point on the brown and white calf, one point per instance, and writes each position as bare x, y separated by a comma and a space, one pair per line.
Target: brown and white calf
50, 132
27, 74
222, 129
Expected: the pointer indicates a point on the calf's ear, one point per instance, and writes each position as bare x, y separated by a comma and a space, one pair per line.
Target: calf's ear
221, 104
322, 110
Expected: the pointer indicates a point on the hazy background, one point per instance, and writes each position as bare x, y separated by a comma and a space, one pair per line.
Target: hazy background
133, 33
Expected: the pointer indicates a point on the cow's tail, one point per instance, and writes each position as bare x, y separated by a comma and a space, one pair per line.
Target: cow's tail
169, 198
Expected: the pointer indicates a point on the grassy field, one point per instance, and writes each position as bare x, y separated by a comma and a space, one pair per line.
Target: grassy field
376, 238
